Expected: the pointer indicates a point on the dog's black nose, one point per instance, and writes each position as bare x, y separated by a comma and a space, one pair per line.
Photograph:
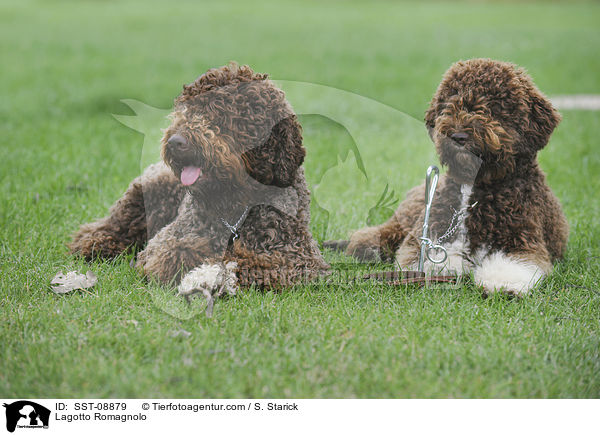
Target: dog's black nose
176, 142
459, 137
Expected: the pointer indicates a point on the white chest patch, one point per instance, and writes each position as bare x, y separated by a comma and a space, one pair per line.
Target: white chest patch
465, 192
458, 249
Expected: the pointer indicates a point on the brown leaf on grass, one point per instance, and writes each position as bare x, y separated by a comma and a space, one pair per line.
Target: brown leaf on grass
72, 281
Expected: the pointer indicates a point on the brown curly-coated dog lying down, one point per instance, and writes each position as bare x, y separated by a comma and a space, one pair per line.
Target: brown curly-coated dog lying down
229, 199
488, 121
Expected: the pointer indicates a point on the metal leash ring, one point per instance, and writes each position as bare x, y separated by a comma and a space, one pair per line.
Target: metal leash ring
436, 248
430, 246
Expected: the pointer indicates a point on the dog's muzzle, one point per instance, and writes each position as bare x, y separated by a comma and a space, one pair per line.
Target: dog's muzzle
176, 143
460, 138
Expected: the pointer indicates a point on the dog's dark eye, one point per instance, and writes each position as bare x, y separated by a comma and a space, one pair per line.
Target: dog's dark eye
496, 108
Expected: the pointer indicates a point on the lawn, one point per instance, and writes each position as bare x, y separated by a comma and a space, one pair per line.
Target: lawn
367, 71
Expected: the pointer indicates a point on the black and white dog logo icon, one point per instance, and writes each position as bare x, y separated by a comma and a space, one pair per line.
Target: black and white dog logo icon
26, 414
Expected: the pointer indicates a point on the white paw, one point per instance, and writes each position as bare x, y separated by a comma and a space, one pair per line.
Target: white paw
500, 272
214, 279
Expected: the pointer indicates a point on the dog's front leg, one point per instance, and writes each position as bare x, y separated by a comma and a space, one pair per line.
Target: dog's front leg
513, 273
275, 269
150, 202
125, 226
372, 243
175, 250
244, 269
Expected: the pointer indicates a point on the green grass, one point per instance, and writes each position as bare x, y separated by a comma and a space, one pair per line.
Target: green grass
66, 66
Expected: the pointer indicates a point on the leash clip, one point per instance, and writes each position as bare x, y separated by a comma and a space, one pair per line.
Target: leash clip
431, 181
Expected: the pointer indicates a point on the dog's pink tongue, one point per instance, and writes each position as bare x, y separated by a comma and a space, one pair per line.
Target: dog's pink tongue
189, 175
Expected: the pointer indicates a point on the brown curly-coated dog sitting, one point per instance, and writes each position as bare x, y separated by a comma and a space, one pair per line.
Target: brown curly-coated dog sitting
229, 200
488, 121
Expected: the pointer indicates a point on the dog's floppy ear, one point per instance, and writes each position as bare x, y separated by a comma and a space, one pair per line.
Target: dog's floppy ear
277, 160
543, 119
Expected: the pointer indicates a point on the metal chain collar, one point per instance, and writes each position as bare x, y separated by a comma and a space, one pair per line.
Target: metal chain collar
456, 221
458, 216
234, 228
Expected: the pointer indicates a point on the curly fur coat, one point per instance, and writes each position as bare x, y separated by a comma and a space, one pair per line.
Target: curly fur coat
230, 192
488, 121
